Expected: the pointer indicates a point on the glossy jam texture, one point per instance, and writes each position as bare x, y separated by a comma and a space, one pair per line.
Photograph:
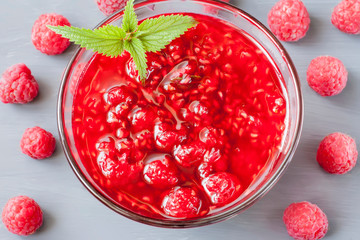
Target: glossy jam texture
194, 137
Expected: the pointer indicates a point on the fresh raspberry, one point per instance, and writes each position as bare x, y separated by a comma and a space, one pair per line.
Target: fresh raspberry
337, 153
108, 7
37, 143
17, 85
22, 215
327, 75
190, 154
161, 173
289, 20
221, 187
346, 16
305, 221
44, 39
182, 202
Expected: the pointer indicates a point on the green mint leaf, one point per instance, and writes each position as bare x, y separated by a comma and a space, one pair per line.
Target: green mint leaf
151, 35
135, 47
130, 22
156, 33
108, 40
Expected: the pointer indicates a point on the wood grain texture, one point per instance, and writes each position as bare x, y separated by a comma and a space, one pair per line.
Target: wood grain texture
72, 213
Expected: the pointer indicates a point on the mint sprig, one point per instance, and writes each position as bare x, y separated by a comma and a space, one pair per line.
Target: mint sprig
151, 35
108, 40
130, 21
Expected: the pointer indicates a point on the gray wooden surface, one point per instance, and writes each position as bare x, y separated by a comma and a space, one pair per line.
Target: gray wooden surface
73, 213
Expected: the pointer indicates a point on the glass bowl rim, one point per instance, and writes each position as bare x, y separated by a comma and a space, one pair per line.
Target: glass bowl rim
207, 219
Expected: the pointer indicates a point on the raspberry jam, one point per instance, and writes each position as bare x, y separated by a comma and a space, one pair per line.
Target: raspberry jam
190, 140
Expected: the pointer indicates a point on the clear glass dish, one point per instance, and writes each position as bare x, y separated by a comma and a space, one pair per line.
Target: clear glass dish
271, 46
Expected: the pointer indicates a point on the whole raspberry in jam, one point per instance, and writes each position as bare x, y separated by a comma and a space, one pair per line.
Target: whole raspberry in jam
198, 112
44, 39
142, 119
327, 75
108, 7
17, 85
289, 20
120, 94
118, 169
211, 136
37, 143
190, 154
166, 137
181, 202
337, 153
214, 161
346, 16
161, 173
22, 215
305, 221
221, 187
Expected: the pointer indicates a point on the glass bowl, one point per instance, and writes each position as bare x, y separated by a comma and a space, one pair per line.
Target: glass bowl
270, 45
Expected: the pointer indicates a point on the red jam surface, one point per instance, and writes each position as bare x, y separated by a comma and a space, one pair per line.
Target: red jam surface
194, 137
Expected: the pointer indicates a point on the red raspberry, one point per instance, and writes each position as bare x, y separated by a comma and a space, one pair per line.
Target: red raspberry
182, 202
337, 153
214, 161
118, 169
198, 113
221, 187
106, 145
122, 109
131, 70
199, 109
44, 39
22, 215
166, 137
114, 121
327, 75
305, 221
142, 119
144, 140
120, 94
161, 173
37, 143
346, 16
108, 7
289, 20
212, 136
17, 85
124, 145
188, 155
134, 148
122, 132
